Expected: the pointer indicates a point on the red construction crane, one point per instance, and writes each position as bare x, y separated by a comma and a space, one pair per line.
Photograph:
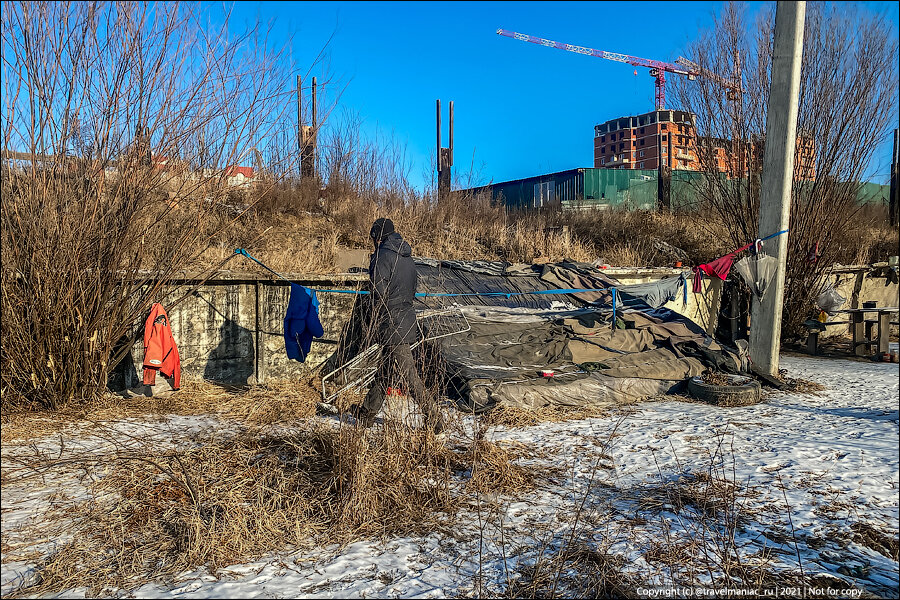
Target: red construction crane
658, 68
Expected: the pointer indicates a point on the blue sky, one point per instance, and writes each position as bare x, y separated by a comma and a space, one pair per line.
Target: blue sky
520, 109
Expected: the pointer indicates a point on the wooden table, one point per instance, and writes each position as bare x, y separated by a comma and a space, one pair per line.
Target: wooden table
862, 330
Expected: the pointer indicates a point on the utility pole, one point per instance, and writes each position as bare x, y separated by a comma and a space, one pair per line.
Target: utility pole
444, 156
892, 201
300, 124
306, 135
777, 177
315, 132
662, 170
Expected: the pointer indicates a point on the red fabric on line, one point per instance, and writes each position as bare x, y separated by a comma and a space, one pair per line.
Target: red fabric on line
719, 267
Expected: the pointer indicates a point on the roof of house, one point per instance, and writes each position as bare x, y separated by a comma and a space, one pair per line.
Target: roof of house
233, 170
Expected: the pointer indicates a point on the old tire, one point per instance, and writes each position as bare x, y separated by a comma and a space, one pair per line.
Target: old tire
745, 392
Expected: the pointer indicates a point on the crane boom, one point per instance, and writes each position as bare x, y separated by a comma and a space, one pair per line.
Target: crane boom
725, 83
658, 68
625, 58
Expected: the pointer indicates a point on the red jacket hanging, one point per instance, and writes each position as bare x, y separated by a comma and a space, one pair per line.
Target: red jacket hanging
160, 352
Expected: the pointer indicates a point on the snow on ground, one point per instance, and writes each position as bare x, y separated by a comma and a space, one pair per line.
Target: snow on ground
807, 470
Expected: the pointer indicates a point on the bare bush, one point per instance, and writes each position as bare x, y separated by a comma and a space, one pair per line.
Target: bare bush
119, 124
848, 103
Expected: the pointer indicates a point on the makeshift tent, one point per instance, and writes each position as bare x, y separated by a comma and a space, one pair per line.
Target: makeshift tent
492, 348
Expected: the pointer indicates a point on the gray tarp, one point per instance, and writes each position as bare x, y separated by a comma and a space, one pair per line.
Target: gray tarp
500, 358
509, 340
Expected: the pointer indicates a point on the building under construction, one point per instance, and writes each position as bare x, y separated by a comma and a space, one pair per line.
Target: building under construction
640, 142
668, 138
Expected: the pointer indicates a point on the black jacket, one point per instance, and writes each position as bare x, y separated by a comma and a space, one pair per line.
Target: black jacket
393, 276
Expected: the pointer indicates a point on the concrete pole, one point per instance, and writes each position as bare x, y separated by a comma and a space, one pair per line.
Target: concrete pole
777, 177
299, 126
438, 155
892, 201
314, 134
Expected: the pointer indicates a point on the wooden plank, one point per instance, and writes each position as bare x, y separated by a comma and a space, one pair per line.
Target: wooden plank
812, 342
884, 332
715, 285
768, 379
857, 328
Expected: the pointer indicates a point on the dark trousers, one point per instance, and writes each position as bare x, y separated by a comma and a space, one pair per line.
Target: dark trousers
396, 368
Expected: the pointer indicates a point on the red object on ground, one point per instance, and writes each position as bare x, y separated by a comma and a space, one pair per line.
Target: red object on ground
160, 351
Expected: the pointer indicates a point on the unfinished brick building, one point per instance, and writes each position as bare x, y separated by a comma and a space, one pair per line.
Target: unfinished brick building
638, 142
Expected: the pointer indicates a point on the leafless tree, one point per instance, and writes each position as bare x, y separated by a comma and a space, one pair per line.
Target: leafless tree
119, 124
848, 105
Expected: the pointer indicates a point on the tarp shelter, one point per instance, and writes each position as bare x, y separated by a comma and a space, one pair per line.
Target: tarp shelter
504, 330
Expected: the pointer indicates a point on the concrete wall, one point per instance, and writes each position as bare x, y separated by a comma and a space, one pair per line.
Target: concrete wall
220, 338
860, 284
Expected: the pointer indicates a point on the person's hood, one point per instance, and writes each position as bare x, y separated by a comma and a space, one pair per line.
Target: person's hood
395, 243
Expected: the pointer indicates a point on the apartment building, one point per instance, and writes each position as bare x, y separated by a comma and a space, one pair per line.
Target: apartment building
640, 142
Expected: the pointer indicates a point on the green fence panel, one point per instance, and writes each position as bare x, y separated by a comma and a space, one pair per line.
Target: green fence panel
630, 189
873, 194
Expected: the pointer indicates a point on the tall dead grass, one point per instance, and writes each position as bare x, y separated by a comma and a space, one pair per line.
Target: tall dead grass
156, 508
470, 228
119, 125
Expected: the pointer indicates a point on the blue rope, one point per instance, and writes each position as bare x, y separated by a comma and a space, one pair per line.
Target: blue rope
614, 294
769, 237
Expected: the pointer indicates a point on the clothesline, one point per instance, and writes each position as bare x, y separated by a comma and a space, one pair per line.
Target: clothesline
506, 295
721, 266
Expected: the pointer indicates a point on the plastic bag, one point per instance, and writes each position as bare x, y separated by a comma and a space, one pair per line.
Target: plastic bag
758, 271
829, 300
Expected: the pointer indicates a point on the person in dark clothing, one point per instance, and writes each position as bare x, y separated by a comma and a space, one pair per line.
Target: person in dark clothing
392, 273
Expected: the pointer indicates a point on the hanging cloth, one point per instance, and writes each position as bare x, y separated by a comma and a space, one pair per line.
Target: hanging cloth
758, 271
718, 268
721, 266
829, 300
657, 293
160, 351
301, 323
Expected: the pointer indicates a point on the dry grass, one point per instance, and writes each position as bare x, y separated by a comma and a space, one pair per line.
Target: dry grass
159, 507
304, 236
494, 469
584, 571
313, 239
230, 498
275, 402
870, 537
511, 416
709, 495
867, 237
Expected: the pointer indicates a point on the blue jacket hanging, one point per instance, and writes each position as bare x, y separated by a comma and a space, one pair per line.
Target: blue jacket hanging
301, 323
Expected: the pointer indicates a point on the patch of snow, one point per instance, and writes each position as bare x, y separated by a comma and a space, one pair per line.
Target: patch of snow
811, 466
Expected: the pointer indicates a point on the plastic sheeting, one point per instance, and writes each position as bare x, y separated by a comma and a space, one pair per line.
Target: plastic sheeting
500, 358
594, 390
830, 300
